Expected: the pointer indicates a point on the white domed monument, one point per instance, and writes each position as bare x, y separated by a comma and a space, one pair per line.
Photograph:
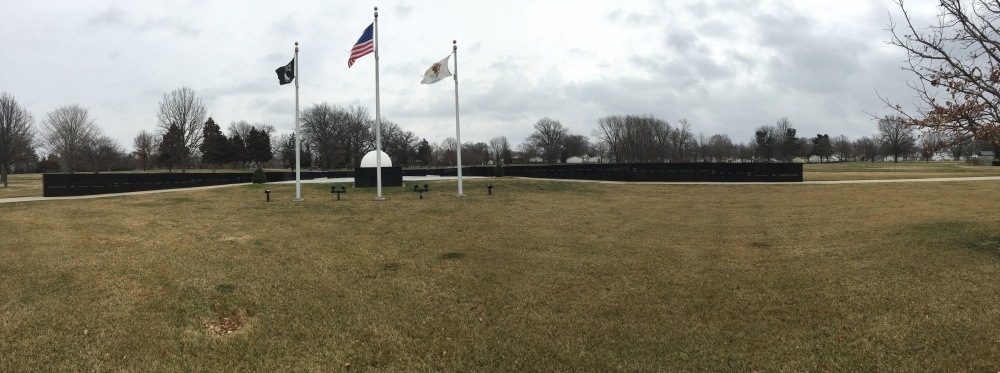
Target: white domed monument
370, 160
366, 176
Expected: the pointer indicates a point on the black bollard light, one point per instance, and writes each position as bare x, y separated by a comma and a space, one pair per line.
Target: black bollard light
343, 189
267, 192
489, 189
421, 191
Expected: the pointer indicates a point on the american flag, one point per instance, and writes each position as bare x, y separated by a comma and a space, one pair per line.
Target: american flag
362, 47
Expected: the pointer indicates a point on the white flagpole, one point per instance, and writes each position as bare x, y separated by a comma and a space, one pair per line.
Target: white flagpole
378, 120
298, 180
458, 130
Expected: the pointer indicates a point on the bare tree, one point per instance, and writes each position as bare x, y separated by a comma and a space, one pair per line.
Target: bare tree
100, 151
745, 151
437, 154
528, 151
680, 141
549, 137
576, 145
843, 147
475, 153
145, 144
242, 127
17, 134
186, 111
895, 136
323, 127
867, 147
359, 134
641, 138
401, 146
610, 131
957, 56
930, 143
721, 147
500, 149
66, 131
787, 143
600, 150
447, 152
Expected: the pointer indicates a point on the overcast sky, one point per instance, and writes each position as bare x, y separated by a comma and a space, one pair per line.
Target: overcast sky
726, 66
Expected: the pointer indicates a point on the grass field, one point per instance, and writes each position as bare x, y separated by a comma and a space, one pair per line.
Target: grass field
22, 185
889, 170
543, 276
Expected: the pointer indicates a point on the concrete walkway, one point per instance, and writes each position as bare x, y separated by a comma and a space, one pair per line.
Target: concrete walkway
443, 178
30, 199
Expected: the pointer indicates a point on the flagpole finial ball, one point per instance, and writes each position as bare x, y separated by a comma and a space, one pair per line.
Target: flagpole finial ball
454, 41
376, 8
296, 43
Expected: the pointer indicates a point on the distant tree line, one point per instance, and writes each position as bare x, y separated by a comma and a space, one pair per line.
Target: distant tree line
338, 137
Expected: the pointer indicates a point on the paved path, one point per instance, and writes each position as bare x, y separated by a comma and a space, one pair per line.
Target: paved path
441, 178
30, 199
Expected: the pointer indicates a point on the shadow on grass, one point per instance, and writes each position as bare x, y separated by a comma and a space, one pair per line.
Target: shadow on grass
956, 235
448, 256
225, 288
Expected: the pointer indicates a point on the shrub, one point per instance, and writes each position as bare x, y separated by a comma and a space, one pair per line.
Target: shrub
259, 177
498, 171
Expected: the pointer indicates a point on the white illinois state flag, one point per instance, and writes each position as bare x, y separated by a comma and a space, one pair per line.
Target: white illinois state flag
438, 71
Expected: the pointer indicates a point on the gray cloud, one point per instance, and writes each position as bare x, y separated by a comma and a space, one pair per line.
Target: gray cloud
728, 66
109, 17
177, 26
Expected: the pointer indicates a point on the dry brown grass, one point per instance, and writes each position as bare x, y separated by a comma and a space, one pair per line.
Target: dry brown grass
889, 170
544, 276
22, 185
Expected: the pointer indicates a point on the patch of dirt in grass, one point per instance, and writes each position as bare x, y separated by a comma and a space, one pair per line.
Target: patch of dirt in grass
226, 325
236, 239
101, 239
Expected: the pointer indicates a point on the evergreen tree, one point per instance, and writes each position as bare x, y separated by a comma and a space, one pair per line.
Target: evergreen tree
259, 147
215, 146
237, 151
288, 152
822, 146
789, 144
307, 157
424, 152
172, 150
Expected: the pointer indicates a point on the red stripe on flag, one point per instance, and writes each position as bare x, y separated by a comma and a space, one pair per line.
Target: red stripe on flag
360, 50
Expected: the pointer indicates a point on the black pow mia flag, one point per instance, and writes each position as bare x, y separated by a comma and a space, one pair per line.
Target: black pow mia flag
286, 73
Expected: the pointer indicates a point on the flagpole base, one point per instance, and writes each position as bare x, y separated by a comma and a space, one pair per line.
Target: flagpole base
461, 195
297, 200
380, 198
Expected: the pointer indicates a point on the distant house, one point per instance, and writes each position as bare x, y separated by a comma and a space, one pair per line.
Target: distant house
985, 157
942, 155
575, 159
800, 160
